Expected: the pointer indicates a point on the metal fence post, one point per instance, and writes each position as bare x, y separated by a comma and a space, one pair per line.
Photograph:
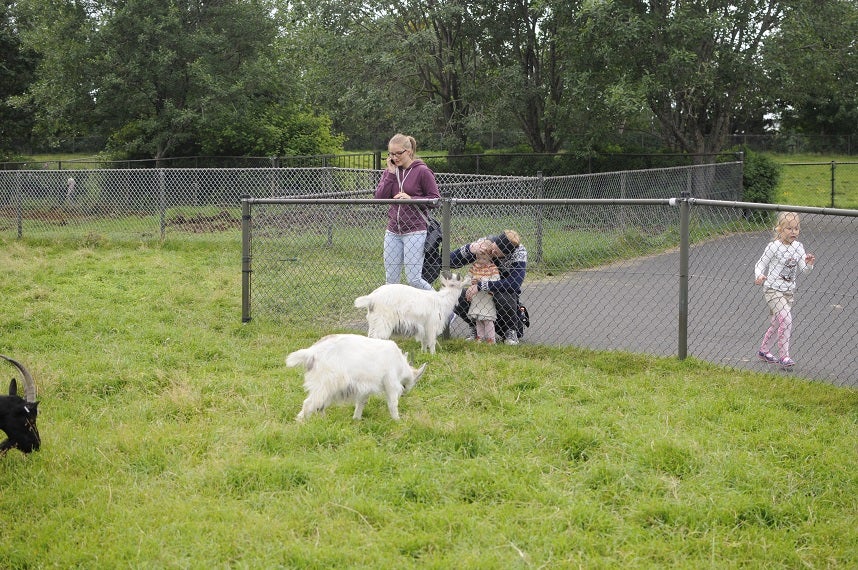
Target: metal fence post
540, 215
833, 168
162, 200
245, 258
684, 215
446, 213
19, 204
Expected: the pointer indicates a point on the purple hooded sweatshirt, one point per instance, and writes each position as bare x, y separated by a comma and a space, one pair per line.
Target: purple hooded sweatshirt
418, 181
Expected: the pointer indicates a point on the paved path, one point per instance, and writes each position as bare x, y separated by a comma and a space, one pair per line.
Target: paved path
633, 306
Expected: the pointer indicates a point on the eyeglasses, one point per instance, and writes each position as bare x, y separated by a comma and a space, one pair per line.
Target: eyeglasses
400, 153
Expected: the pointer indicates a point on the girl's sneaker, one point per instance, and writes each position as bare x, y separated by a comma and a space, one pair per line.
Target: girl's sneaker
786, 362
767, 357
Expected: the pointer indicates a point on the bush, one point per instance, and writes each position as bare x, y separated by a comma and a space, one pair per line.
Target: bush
760, 177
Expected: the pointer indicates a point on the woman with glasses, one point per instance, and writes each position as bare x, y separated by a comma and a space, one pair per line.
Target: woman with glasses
406, 177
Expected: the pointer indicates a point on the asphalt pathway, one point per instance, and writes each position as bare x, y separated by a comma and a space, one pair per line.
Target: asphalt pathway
633, 306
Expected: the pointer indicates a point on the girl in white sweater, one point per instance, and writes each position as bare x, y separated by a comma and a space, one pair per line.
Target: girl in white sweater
776, 271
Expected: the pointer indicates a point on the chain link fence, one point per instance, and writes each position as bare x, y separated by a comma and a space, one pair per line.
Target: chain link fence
603, 272
820, 183
136, 204
605, 267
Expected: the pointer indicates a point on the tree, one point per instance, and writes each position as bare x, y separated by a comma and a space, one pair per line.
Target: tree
436, 45
165, 69
346, 69
453, 66
813, 58
17, 65
696, 65
528, 66
60, 32
168, 78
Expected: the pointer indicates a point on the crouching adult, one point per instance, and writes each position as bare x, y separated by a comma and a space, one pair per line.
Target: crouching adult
510, 256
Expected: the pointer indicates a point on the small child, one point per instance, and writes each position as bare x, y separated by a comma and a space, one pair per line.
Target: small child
777, 270
483, 309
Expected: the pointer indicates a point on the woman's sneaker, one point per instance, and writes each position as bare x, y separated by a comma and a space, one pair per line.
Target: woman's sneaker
767, 357
472, 333
786, 362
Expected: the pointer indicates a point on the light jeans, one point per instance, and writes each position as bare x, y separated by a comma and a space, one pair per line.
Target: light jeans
404, 250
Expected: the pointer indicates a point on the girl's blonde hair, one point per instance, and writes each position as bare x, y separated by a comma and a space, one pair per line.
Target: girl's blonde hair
405, 141
783, 218
513, 237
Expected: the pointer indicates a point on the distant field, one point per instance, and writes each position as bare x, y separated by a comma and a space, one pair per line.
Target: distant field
806, 180
49, 161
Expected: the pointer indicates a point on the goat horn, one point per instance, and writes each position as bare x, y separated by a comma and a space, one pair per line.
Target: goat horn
29, 383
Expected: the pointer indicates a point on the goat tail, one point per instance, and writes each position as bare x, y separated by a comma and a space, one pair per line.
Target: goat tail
301, 357
364, 302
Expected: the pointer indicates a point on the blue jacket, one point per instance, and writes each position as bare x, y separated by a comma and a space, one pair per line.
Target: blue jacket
512, 268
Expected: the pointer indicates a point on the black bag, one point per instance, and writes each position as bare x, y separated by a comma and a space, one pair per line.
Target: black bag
523, 315
432, 251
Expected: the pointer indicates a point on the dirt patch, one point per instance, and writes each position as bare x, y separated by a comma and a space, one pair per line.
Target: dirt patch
200, 224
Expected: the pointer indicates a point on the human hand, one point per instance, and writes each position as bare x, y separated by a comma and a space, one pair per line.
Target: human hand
809, 258
401, 196
760, 280
470, 292
480, 247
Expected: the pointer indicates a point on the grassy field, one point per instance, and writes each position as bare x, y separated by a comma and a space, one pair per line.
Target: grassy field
806, 181
68, 160
169, 441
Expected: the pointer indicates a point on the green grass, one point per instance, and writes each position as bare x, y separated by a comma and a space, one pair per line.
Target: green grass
68, 160
807, 181
169, 441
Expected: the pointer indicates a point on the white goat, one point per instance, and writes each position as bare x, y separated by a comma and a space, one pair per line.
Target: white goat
351, 368
412, 311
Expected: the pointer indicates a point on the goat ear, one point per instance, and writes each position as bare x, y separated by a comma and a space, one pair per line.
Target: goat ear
13, 387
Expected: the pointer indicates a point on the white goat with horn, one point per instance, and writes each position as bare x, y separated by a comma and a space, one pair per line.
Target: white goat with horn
401, 308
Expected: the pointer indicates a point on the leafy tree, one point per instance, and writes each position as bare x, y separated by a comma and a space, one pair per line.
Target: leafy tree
161, 67
527, 66
168, 78
696, 65
457, 67
274, 132
346, 69
17, 65
439, 59
813, 58
60, 31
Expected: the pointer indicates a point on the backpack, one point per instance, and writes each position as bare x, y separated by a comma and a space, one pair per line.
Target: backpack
432, 251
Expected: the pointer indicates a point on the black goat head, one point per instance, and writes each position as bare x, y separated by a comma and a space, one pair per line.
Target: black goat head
18, 415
